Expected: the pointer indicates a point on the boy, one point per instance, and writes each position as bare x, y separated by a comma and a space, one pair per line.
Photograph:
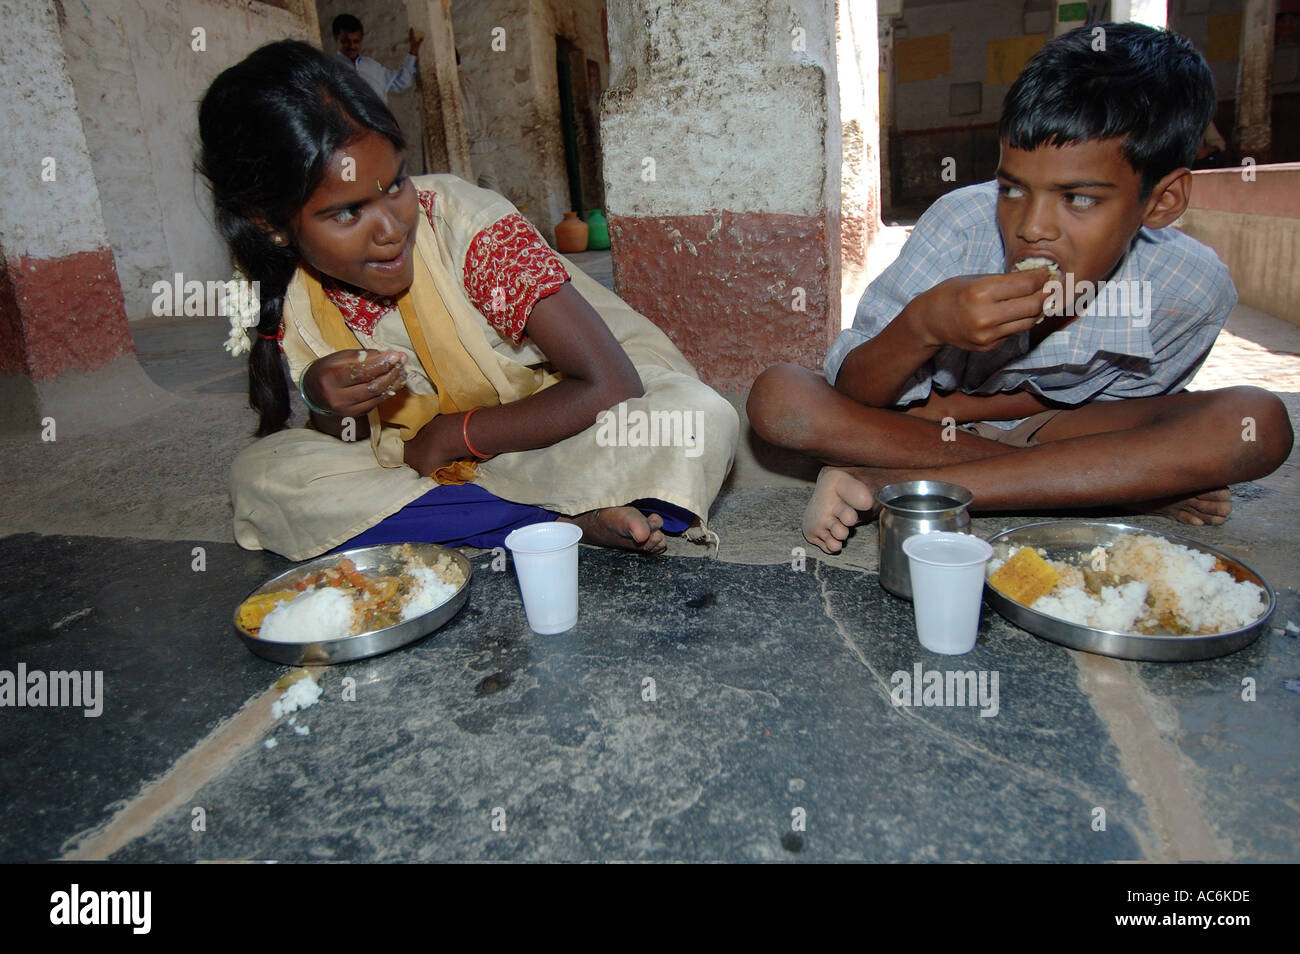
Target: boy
1066, 379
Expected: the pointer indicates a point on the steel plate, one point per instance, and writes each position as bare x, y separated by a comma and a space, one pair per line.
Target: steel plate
1068, 540
381, 560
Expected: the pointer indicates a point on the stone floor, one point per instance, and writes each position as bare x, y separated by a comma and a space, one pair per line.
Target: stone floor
730, 704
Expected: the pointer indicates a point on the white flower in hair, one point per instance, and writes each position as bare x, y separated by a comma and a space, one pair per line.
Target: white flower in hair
245, 311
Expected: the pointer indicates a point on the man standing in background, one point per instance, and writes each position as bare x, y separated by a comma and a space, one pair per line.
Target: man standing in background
347, 34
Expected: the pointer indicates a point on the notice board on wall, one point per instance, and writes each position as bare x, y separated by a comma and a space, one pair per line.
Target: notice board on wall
924, 57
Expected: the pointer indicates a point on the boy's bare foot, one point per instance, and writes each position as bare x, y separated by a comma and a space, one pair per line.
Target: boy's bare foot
622, 528
842, 492
833, 510
1210, 507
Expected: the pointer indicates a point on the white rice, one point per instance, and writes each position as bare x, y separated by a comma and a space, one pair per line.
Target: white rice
1117, 609
1168, 582
1038, 261
430, 592
1185, 584
303, 693
313, 616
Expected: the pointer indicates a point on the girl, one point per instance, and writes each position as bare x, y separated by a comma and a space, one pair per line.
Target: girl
456, 368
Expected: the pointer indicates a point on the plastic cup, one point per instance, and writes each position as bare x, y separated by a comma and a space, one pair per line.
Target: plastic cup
546, 562
947, 572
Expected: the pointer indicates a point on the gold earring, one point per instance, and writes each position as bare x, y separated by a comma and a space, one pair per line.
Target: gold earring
277, 239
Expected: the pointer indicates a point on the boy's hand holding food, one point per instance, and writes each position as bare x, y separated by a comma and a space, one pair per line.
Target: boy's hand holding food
978, 312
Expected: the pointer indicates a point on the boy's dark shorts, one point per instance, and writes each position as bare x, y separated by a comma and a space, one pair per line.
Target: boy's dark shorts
1022, 435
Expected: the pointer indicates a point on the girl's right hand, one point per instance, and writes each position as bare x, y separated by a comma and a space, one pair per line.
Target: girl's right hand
351, 383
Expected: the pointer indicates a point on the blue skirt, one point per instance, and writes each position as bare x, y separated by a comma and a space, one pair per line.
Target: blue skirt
467, 515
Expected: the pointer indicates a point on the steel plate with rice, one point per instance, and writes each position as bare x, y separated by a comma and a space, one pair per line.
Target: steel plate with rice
377, 561
1071, 541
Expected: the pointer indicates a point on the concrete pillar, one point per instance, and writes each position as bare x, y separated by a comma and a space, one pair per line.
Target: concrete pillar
1254, 132
445, 140
507, 50
64, 347
97, 42
305, 11
885, 39
721, 137
857, 68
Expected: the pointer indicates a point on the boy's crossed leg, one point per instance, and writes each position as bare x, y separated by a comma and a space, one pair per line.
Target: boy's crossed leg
1172, 454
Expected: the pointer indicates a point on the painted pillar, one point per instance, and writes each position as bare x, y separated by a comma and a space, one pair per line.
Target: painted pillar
511, 99
446, 142
1254, 133
857, 69
889, 12
305, 11
721, 142
61, 309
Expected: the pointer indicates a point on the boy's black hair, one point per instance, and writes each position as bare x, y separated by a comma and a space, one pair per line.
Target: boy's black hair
347, 23
1149, 88
269, 126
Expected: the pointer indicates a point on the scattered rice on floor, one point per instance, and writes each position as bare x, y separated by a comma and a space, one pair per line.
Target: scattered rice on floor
301, 695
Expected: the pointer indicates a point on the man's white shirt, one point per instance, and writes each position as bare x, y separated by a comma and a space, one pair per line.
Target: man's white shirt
381, 79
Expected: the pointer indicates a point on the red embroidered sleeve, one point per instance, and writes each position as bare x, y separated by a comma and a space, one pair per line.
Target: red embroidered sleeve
509, 268
427, 199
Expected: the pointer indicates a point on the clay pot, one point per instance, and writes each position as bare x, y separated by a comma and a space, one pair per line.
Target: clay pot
571, 234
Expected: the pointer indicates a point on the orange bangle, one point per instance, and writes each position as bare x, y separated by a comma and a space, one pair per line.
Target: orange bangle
464, 432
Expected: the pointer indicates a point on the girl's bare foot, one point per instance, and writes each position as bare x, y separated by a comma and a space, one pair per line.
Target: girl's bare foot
1210, 507
622, 528
836, 500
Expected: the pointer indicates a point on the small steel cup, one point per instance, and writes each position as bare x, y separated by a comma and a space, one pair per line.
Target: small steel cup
911, 507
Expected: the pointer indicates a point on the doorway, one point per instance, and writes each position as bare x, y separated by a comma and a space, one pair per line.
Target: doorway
578, 127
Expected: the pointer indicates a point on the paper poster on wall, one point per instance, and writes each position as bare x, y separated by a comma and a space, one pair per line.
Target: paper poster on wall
924, 57
1223, 37
1008, 57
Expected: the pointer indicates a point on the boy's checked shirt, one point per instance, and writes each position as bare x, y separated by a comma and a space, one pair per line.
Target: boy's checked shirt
1095, 357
